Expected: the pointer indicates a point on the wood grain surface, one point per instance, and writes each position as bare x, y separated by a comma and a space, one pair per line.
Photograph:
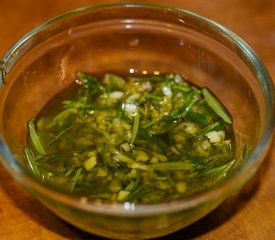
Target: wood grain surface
249, 214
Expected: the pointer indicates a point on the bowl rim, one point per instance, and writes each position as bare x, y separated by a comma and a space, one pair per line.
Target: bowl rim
130, 209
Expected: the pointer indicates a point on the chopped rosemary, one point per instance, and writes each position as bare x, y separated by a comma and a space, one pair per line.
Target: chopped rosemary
135, 128
143, 139
215, 104
35, 138
31, 161
75, 178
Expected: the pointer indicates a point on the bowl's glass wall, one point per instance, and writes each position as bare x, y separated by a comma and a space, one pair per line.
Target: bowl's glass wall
134, 40
134, 227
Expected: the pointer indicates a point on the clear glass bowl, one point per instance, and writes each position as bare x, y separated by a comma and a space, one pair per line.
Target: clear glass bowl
134, 39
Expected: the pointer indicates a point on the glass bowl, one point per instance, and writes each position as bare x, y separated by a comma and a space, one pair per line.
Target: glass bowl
135, 39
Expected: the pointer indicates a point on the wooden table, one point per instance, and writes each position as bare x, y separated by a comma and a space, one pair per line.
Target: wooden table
248, 215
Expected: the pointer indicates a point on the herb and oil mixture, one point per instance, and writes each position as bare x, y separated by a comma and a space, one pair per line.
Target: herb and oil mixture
132, 139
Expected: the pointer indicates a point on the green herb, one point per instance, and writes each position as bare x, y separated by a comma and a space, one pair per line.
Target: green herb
59, 135
197, 118
220, 172
35, 138
75, 178
31, 161
215, 104
135, 127
138, 194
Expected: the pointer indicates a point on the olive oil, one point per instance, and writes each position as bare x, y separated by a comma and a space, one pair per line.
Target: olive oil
144, 139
